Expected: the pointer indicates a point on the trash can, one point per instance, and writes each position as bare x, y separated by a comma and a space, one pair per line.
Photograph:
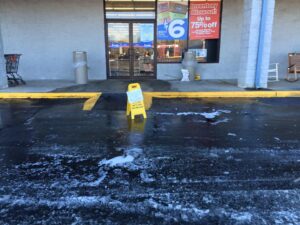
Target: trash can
189, 62
80, 67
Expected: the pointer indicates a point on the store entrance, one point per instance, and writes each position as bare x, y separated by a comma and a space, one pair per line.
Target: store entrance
131, 49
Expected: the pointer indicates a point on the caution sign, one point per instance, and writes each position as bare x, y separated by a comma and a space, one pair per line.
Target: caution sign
135, 101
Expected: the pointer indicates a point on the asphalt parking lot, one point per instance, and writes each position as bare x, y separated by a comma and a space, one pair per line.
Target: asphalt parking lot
209, 161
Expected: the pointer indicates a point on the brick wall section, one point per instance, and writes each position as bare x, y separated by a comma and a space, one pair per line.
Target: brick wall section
250, 43
3, 80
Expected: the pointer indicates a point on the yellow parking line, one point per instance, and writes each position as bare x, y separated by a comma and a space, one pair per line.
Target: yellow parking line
285, 94
91, 102
148, 96
88, 105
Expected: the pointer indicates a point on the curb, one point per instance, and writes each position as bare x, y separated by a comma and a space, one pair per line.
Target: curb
92, 97
148, 96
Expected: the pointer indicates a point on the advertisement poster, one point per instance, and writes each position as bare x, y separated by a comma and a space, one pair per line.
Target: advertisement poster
172, 22
199, 53
204, 20
146, 36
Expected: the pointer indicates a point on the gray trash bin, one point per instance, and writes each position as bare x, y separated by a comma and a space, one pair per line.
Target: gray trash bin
189, 62
80, 67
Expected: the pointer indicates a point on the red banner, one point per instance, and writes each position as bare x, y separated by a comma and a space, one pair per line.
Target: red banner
204, 20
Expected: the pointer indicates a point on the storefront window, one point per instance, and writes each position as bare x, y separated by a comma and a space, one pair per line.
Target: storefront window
182, 25
204, 29
172, 26
188, 25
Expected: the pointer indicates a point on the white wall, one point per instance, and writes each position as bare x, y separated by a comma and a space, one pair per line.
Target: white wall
228, 66
46, 32
285, 32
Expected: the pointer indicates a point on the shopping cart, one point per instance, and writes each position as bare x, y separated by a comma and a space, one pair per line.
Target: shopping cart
12, 65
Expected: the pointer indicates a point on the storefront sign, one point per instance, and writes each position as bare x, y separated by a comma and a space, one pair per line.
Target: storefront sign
174, 30
204, 20
172, 21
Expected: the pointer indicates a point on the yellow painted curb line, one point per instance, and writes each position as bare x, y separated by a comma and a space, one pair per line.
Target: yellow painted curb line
285, 94
88, 105
91, 102
148, 96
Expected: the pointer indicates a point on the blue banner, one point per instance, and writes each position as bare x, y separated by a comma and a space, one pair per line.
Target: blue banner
174, 30
118, 45
141, 44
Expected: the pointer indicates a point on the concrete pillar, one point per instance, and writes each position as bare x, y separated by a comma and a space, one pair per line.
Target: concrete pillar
255, 41
3, 80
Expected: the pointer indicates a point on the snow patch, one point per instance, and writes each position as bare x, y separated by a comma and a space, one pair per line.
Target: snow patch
117, 161
129, 156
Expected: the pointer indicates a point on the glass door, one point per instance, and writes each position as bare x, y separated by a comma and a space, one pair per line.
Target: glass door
131, 50
143, 47
118, 49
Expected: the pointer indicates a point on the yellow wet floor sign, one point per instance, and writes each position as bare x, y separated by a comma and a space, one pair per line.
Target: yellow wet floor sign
135, 101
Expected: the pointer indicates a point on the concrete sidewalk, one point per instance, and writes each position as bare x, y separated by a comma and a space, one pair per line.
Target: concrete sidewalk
120, 86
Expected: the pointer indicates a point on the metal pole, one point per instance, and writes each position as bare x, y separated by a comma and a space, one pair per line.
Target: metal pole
260, 53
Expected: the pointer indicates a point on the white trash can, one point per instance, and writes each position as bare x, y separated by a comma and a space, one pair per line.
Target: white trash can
80, 67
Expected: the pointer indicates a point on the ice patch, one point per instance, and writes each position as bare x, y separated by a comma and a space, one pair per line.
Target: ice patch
225, 120
124, 161
207, 199
231, 134
211, 115
242, 217
29, 121
165, 114
69, 202
286, 217
207, 115
146, 178
97, 182
135, 152
297, 180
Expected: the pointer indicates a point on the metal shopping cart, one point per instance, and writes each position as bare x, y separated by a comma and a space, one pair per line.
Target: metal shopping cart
12, 65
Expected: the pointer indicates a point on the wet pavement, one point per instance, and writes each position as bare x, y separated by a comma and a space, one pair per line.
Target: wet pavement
192, 161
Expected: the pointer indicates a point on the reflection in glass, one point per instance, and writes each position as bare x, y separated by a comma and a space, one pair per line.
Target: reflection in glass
143, 44
119, 49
